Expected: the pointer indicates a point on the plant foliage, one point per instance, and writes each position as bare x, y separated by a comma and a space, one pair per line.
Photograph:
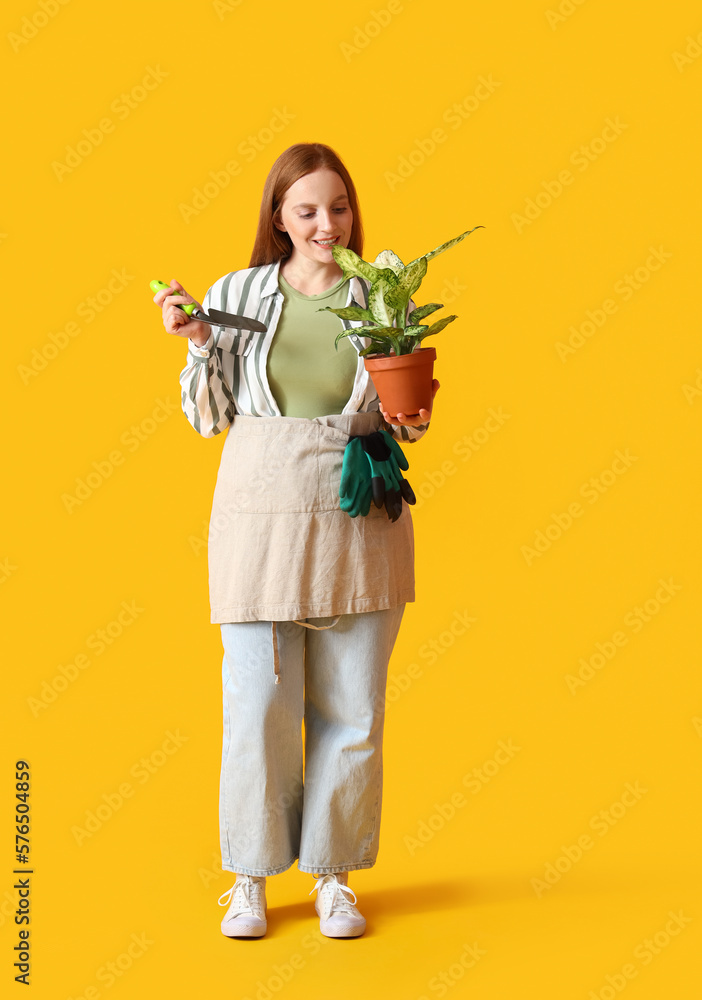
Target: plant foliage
392, 285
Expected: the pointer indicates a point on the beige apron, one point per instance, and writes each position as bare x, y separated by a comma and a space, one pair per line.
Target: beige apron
280, 548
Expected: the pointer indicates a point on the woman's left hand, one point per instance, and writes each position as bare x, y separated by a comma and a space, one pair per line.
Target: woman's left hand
424, 415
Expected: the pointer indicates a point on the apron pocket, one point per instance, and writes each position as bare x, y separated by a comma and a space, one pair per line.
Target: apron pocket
270, 466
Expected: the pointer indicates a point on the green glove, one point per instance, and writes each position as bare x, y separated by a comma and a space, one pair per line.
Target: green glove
385, 459
371, 469
355, 488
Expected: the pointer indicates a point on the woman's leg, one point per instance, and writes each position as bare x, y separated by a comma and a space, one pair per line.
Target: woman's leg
345, 681
261, 781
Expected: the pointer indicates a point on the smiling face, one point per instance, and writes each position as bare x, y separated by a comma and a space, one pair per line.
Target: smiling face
316, 208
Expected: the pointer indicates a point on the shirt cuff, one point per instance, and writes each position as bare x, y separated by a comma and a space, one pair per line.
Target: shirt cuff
406, 433
206, 350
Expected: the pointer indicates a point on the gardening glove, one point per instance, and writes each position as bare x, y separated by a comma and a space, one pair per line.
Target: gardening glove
355, 488
385, 459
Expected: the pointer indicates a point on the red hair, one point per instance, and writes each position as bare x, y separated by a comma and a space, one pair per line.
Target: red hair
271, 243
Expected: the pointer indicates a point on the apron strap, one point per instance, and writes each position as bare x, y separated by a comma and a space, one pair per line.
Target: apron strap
276, 658
274, 635
319, 628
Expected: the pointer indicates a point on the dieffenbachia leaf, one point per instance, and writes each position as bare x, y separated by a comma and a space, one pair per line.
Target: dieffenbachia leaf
415, 331
408, 281
379, 298
368, 331
354, 266
422, 311
438, 326
383, 345
377, 331
349, 312
387, 258
451, 243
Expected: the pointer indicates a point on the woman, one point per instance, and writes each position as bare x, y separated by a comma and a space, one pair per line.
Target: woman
309, 599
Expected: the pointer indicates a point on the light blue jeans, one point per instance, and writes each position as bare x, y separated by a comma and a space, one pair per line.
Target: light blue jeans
333, 673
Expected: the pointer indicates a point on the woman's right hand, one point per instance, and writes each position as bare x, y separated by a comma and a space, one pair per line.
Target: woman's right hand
175, 320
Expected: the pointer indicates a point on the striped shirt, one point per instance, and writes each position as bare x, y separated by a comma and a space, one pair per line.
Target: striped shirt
227, 375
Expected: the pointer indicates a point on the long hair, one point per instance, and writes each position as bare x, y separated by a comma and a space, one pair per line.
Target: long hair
271, 243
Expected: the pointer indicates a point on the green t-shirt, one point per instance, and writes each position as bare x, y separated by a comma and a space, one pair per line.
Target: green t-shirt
307, 376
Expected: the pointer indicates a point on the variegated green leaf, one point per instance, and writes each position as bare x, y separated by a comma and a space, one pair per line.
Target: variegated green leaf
367, 331
408, 281
377, 331
354, 266
375, 349
383, 313
446, 246
383, 346
342, 334
387, 258
349, 312
422, 311
438, 326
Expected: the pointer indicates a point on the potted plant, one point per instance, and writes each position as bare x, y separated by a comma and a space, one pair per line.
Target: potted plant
402, 371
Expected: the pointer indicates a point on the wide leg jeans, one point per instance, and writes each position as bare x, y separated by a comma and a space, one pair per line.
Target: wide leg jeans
276, 806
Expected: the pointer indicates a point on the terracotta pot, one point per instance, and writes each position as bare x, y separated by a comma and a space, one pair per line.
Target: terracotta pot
403, 382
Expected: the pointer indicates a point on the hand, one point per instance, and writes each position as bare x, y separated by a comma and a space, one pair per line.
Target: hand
175, 320
424, 415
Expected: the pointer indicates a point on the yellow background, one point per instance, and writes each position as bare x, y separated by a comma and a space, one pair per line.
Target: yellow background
375, 94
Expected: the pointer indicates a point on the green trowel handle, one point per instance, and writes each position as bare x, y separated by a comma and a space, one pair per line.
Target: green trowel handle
158, 286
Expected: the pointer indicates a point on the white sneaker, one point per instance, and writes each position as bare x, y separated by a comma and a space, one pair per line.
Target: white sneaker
246, 917
337, 916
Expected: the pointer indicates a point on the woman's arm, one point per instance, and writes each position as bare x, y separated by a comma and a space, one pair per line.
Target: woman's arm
206, 399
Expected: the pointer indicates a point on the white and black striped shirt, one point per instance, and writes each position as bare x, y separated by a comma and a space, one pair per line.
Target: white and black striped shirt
227, 375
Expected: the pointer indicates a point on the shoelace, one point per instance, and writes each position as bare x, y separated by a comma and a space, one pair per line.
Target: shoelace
244, 902
333, 893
